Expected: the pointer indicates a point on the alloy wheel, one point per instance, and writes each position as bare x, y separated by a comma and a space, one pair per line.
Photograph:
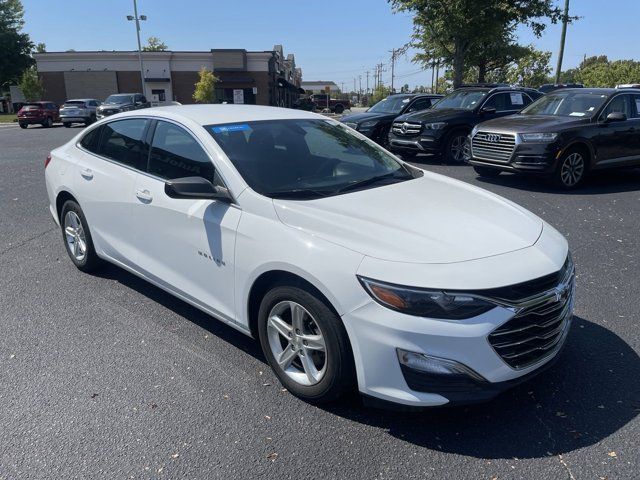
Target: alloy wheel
572, 169
75, 236
297, 343
457, 150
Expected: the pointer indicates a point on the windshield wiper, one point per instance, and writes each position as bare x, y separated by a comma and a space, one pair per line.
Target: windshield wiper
373, 180
300, 193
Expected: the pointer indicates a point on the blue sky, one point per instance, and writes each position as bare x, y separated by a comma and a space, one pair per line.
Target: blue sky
349, 39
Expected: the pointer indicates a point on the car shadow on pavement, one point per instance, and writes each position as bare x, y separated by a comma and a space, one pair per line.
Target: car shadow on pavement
598, 183
590, 393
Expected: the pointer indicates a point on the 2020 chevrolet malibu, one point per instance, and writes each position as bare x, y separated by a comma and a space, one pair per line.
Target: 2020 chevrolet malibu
351, 267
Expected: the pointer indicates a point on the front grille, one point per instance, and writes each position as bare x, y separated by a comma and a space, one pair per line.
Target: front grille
406, 129
541, 322
494, 147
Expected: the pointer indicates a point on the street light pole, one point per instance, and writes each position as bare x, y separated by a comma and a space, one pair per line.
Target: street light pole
565, 20
137, 20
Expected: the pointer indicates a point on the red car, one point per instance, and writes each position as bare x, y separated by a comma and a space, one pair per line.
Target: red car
44, 113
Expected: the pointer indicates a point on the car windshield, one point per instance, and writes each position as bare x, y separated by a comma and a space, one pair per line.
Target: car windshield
567, 103
119, 99
73, 103
466, 99
393, 104
305, 159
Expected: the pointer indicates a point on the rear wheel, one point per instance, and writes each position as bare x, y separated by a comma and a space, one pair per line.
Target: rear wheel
305, 344
77, 237
48, 123
571, 170
23, 125
339, 109
455, 147
486, 171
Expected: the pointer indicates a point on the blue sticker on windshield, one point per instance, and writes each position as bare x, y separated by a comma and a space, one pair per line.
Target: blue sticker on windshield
239, 127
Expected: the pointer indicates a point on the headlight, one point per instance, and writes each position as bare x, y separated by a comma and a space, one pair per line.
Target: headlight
425, 303
434, 126
369, 124
538, 137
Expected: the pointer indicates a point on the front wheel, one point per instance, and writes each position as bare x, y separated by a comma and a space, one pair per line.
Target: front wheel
455, 147
305, 344
77, 237
486, 171
23, 125
571, 170
48, 123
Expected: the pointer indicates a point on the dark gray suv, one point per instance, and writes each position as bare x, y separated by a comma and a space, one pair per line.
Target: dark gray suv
121, 102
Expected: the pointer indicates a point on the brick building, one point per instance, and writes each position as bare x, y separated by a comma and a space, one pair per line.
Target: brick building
262, 78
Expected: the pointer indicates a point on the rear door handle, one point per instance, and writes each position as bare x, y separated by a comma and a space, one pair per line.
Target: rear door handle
86, 173
144, 195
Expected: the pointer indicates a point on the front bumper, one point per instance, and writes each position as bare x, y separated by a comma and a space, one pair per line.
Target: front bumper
430, 144
529, 158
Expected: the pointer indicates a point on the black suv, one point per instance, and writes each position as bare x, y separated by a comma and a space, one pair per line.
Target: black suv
121, 102
443, 129
376, 122
563, 135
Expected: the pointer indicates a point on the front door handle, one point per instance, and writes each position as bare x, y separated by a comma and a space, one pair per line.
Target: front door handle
86, 173
144, 196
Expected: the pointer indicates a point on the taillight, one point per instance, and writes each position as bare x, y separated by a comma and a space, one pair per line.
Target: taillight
47, 160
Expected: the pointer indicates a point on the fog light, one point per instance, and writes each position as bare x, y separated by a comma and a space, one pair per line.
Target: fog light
435, 365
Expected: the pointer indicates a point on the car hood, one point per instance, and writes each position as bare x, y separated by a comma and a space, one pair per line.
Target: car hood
430, 115
431, 219
114, 105
531, 123
367, 116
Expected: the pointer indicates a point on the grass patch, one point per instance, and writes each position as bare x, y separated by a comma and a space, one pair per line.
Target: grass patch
7, 117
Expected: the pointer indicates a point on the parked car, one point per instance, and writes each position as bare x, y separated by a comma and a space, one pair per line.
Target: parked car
79, 111
563, 135
43, 113
444, 128
121, 102
550, 87
304, 103
291, 228
376, 122
336, 105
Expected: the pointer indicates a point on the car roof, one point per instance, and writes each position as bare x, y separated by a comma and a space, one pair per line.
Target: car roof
210, 114
79, 99
601, 91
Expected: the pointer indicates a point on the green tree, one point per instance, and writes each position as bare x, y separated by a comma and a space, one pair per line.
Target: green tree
30, 85
532, 70
154, 44
600, 72
378, 94
40, 48
453, 30
15, 46
205, 91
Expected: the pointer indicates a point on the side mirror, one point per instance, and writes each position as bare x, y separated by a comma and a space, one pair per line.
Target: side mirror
196, 188
488, 110
615, 117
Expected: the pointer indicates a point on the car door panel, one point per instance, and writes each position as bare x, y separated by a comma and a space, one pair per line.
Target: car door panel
613, 140
188, 244
105, 178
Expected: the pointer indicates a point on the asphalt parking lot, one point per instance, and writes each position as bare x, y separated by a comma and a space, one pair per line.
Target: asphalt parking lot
106, 376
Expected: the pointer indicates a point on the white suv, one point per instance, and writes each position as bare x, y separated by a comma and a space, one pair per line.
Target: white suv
351, 267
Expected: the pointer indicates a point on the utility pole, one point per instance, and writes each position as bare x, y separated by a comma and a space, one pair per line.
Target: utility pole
354, 84
565, 20
393, 64
367, 82
437, 73
137, 19
433, 72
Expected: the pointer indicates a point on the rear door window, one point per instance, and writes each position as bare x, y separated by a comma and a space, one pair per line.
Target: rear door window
123, 141
176, 154
91, 139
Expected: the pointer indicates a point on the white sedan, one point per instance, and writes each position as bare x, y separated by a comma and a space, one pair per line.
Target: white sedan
352, 268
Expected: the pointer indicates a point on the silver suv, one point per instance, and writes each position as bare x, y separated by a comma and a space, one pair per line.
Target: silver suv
82, 110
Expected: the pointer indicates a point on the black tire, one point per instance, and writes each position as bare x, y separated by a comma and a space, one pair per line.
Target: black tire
23, 125
91, 261
67, 125
571, 169
486, 172
48, 123
339, 376
339, 109
453, 149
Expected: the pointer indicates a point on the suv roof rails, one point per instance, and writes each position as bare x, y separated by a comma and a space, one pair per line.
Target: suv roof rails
484, 85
